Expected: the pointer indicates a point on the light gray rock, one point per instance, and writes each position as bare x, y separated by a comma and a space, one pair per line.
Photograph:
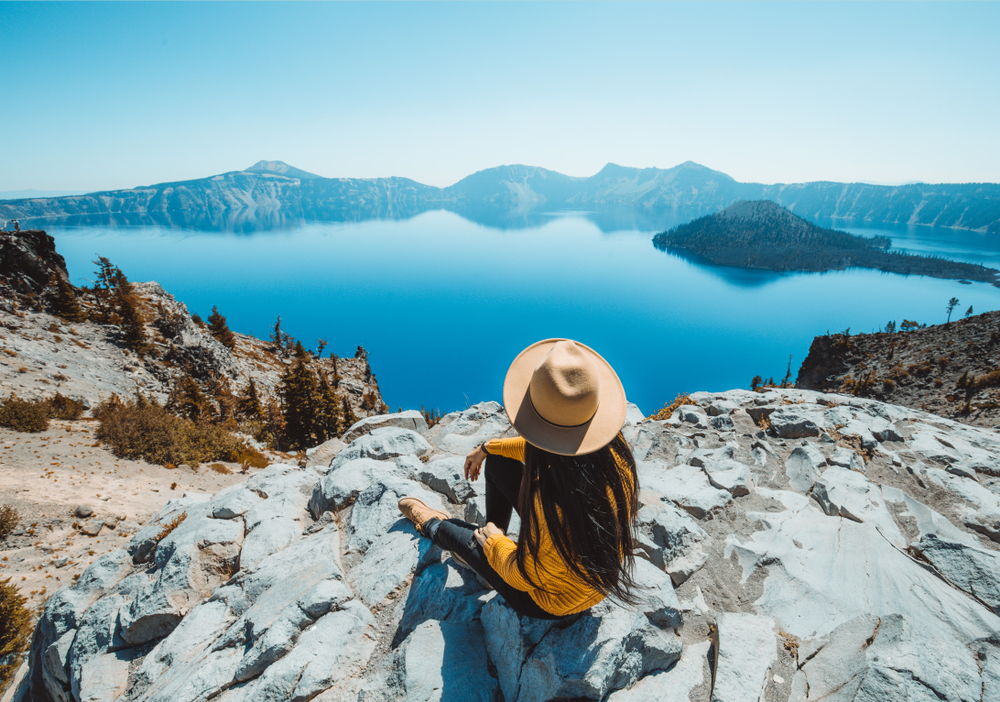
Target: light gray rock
376, 510
83, 511
691, 414
268, 537
822, 572
410, 419
657, 599
972, 568
846, 458
390, 562
722, 423
328, 656
674, 685
792, 422
689, 488
654, 441
846, 493
747, 648
443, 592
341, 486
322, 456
56, 662
888, 658
671, 540
190, 562
444, 661
732, 476
446, 475
803, 467
461, 432
233, 502
383, 444
92, 527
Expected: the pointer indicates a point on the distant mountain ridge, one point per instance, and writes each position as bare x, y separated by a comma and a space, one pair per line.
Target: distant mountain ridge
276, 189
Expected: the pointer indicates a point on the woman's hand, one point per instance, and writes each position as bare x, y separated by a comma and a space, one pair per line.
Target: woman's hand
484, 533
474, 463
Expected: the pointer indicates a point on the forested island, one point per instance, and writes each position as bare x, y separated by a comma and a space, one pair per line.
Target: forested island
763, 234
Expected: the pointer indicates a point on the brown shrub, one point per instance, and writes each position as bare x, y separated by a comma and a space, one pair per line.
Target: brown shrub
219, 468
62, 407
15, 631
681, 399
140, 429
9, 519
24, 415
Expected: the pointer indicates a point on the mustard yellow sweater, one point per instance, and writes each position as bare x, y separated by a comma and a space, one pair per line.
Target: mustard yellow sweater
561, 591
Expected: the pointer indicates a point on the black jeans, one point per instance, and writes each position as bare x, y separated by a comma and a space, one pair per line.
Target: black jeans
503, 483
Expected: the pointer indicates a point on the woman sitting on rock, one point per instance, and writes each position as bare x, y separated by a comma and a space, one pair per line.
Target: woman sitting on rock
570, 476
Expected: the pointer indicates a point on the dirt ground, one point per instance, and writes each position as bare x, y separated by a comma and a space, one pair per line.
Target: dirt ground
46, 476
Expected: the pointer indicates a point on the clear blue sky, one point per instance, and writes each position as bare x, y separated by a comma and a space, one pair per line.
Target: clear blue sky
103, 96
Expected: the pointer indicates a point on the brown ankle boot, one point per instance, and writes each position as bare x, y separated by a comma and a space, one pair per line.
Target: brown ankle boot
418, 513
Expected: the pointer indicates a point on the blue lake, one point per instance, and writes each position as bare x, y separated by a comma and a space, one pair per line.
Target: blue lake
443, 304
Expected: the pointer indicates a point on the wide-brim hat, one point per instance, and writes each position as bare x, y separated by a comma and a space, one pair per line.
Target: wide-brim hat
563, 397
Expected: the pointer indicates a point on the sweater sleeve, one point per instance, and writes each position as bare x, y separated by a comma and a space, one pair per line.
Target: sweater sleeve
501, 552
511, 448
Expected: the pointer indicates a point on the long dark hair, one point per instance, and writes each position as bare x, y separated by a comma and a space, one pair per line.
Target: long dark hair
589, 506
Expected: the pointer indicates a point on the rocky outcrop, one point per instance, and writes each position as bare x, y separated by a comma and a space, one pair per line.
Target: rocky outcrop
849, 551
28, 261
947, 369
43, 354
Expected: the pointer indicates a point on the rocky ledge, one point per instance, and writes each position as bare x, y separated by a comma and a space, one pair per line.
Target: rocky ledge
794, 546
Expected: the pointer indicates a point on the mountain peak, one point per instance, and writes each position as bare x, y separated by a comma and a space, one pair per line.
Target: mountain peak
281, 168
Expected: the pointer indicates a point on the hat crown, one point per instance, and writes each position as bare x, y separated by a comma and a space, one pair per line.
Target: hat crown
565, 387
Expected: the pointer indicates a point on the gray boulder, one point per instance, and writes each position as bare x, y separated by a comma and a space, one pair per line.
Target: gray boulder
803, 467
747, 647
689, 488
461, 432
410, 419
446, 475
604, 649
673, 685
793, 423
442, 661
342, 485
671, 540
382, 444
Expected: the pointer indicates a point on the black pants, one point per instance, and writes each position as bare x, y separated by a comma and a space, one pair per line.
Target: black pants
503, 483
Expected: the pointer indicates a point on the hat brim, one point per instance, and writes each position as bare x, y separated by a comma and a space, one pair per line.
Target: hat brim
566, 441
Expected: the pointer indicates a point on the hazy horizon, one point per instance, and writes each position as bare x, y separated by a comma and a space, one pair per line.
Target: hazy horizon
107, 96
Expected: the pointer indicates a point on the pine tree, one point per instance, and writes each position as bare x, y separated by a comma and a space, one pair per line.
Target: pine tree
133, 328
249, 407
65, 303
218, 328
276, 335
187, 400
350, 419
330, 421
300, 401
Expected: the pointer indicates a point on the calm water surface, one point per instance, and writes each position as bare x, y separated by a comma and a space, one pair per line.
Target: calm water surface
444, 304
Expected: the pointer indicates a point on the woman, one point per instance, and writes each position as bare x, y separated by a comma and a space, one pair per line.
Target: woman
570, 476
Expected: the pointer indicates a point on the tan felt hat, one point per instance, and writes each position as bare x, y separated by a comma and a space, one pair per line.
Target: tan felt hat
564, 398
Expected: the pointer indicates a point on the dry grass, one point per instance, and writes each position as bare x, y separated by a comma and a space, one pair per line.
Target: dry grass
219, 468
682, 399
170, 526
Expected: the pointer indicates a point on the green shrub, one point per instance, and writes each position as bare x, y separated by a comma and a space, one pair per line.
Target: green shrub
141, 429
15, 631
9, 519
24, 415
